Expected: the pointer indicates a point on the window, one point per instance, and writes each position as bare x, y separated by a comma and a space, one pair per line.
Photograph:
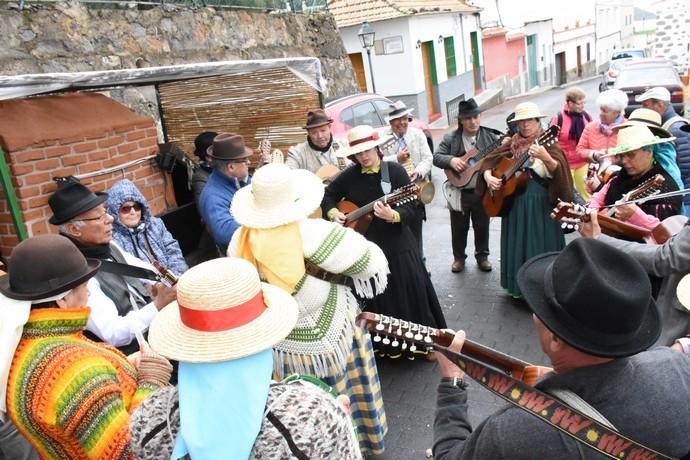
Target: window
365, 114
588, 51
449, 45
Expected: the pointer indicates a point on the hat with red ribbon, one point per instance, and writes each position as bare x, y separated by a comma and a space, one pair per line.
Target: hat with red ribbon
223, 312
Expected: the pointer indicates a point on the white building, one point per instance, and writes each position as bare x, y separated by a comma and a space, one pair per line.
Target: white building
426, 53
614, 28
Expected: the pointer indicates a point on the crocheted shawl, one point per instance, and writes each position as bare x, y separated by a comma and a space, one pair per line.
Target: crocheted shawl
321, 341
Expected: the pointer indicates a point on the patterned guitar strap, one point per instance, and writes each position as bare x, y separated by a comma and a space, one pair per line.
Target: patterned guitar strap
585, 429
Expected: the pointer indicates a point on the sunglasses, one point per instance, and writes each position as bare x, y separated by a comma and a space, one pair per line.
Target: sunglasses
126, 209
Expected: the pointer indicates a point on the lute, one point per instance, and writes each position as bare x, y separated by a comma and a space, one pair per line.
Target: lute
510, 170
407, 335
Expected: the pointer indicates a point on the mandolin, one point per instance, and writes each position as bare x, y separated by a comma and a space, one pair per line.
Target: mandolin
572, 215
511, 172
407, 335
359, 218
473, 159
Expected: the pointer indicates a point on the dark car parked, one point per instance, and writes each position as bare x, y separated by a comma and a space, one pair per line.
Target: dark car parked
638, 75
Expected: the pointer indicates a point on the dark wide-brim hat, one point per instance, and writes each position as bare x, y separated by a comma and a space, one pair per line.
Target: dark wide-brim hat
316, 118
72, 199
594, 297
45, 265
468, 108
228, 146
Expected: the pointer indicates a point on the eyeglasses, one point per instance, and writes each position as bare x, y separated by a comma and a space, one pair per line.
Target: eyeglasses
242, 161
126, 209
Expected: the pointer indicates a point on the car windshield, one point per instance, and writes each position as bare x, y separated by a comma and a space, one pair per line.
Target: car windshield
647, 76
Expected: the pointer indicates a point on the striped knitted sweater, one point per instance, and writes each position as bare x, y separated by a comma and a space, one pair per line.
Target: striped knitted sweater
69, 396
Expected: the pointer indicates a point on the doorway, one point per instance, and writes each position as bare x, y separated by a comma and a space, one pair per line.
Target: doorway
358, 67
532, 76
476, 65
430, 79
560, 68
579, 61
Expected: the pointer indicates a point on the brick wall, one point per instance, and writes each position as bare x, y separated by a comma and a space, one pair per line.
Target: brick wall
33, 168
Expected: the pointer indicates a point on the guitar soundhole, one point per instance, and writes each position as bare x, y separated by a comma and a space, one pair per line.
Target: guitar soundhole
472, 161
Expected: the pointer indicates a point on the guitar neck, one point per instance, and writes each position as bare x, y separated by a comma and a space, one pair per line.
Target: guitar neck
615, 227
428, 336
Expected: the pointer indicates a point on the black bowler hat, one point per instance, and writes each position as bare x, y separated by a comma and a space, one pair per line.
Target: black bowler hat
72, 199
594, 297
316, 118
44, 266
228, 146
468, 108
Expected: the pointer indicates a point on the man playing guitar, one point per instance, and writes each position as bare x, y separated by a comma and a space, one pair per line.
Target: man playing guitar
456, 153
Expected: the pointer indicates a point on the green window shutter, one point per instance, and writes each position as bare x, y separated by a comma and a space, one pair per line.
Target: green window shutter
449, 45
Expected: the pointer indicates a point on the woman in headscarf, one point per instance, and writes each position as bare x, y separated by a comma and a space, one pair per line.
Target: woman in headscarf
636, 150
526, 228
320, 264
139, 232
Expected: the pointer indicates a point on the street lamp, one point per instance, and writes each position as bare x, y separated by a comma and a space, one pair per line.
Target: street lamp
366, 39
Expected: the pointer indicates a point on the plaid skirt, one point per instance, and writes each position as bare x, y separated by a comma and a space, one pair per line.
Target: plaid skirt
361, 383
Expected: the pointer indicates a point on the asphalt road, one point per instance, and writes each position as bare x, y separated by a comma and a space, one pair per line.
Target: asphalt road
471, 300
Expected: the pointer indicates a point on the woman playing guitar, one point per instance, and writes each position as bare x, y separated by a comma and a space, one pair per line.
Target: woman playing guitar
410, 294
526, 229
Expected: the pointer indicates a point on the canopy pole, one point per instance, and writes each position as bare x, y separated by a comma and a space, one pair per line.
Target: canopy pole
11, 196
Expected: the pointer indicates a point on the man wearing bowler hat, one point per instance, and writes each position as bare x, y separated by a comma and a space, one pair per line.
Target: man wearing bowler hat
121, 307
230, 173
595, 319
464, 205
320, 149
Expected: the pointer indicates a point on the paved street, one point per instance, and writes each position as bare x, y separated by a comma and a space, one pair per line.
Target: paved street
471, 300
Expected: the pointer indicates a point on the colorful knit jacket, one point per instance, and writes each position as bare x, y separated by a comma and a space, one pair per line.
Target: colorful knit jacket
69, 396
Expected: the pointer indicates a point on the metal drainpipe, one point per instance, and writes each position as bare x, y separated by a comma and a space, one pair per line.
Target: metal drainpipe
11, 198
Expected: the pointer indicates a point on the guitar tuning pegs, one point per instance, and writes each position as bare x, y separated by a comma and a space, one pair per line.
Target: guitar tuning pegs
413, 348
395, 343
377, 338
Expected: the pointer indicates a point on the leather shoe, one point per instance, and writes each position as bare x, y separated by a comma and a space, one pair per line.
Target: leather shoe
458, 266
484, 265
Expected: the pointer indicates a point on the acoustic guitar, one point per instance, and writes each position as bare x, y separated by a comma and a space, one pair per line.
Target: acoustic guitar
473, 158
359, 218
511, 172
407, 335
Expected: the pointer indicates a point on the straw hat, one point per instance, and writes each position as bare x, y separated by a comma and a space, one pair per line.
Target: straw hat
634, 138
527, 111
362, 138
277, 196
223, 312
645, 117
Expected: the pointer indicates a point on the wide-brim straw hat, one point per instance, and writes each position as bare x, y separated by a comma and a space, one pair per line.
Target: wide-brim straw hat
362, 138
636, 137
645, 117
527, 111
277, 196
223, 312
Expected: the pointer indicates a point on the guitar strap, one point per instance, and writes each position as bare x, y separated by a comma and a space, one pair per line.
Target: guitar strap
564, 418
385, 178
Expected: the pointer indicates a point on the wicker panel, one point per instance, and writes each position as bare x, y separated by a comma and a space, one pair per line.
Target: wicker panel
269, 104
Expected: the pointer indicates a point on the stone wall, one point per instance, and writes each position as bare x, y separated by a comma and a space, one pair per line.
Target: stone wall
66, 37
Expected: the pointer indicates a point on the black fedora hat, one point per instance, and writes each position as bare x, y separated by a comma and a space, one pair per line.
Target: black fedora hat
468, 108
228, 146
594, 297
44, 266
316, 118
72, 199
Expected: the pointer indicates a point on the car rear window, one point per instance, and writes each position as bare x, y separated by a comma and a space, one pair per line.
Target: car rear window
647, 76
628, 54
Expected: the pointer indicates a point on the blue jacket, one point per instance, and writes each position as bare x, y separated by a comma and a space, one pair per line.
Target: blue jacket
214, 207
134, 240
682, 150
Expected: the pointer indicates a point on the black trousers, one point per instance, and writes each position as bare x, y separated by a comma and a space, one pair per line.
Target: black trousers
472, 210
416, 227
